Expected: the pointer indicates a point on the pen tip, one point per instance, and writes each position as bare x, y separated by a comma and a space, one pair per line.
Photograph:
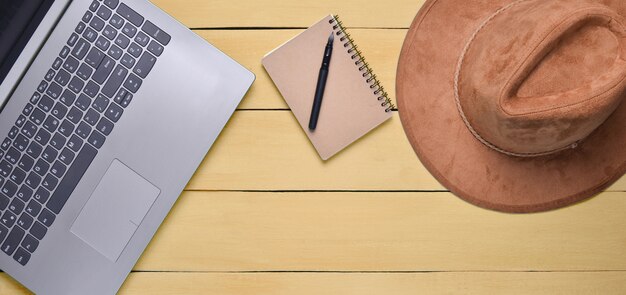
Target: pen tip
331, 38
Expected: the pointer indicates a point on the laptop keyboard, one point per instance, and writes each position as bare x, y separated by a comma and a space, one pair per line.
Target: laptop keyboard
69, 116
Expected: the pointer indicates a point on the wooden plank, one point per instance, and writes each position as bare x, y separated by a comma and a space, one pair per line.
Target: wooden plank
551, 283
288, 13
230, 231
262, 150
380, 47
375, 284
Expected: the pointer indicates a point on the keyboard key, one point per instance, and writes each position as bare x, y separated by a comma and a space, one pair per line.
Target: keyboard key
72, 40
14, 131
155, 48
42, 137
38, 230
13, 240
33, 208
76, 85
105, 126
142, 39
119, 97
128, 61
97, 23
16, 206
103, 44
75, 143
66, 128
83, 102
34, 150
111, 3
49, 75
8, 219
84, 72
92, 117
74, 115
30, 243
54, 90
72, 178
66, 156
28, 109
59, 111
49, 182
116, 21
156, 33
114, 112
104, 13
57, 141
87, 16
51, 124
13, 156
46, 217
41, 195
35, 98
81, 49
96, 139
3, 232
80, 28
20, 121
57, 63
41, 167
9, 189
42, 86
20, 143
115, 81
26, 163
130, 15
6, 144
58, 169
46, 103
94, 6
122, 41
135, 50
104, 69
109, 32
29, 129
144, 65
64, 52
71, 64
18, 175
129, 30
5, 168
38, 116
49, 154
101, 103
83, 130
94, 57
25, 221
132, 83
115, 52
21, 256
90, 34
33, 181
68, 98
62, 77
4, 202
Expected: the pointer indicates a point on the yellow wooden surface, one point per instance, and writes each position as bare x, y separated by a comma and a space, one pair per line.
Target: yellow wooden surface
264, 215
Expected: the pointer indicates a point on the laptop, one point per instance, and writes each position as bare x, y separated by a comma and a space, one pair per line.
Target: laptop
108, 108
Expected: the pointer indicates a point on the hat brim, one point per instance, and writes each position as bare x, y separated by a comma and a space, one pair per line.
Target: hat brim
456, 158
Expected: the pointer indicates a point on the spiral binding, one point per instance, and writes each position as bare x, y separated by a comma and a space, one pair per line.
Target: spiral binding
364, 67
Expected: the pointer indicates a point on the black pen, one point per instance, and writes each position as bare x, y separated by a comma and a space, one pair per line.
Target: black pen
321, 83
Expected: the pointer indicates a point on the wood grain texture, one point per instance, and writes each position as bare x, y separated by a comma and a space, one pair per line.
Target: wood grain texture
479, 283
308, 231
262, 150
380, 47
289, 13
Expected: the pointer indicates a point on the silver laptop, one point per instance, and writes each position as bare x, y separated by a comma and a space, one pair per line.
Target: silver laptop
108, 108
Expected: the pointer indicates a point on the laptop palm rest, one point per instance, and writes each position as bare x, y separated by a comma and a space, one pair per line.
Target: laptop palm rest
115, 210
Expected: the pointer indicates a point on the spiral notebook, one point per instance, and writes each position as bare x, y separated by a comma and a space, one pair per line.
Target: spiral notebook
354, 101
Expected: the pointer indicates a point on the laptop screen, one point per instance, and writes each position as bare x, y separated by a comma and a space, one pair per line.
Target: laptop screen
18, 21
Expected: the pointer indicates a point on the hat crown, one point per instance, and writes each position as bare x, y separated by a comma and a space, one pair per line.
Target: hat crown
539, 76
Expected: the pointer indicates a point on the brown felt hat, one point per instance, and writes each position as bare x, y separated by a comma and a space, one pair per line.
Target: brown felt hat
517, 106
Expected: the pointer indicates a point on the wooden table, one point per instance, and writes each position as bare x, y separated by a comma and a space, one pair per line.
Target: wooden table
264, 215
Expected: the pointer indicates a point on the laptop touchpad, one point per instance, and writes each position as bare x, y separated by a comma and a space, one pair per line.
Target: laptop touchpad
115, 210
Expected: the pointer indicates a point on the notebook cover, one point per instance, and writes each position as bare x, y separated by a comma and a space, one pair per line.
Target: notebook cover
350, 108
